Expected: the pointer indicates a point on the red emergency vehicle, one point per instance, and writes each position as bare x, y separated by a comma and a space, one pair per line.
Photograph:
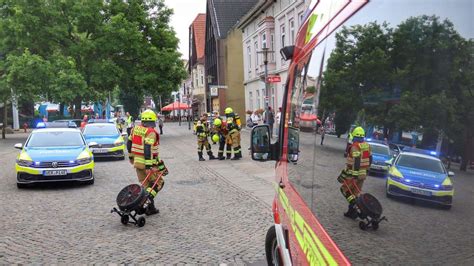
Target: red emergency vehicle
297, 237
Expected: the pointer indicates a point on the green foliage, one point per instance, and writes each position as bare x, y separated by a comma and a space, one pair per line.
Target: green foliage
418, 75
74, 51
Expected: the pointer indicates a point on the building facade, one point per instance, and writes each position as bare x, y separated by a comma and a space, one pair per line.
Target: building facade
223, 54
196, 71
271, 24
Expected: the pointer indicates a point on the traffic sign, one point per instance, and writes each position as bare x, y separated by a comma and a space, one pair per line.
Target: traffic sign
274, 79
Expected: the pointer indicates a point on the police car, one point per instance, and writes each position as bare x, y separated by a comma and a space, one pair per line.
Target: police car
105, 140
420, 175
52, 153
380, 154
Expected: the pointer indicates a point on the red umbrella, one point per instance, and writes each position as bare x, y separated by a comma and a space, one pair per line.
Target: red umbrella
175, 106
308, 117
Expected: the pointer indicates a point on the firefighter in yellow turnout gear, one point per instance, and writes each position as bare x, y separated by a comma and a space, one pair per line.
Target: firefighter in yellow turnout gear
142, 146
353, 176
234, 126
202, 132
221, 135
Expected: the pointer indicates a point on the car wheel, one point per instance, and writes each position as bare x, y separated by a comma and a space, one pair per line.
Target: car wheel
446, 207
271, 248
20, 186
90, 182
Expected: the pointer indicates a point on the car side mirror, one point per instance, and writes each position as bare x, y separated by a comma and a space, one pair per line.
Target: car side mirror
18, 146
124, 134
389, 162
260, 143
451, 174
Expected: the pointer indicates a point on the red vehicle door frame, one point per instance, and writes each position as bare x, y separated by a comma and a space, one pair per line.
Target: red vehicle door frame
309, 243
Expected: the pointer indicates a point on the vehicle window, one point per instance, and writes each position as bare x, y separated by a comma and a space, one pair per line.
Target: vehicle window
300, 138
55, 139
101, 130
420, 163
380, 149
402, 70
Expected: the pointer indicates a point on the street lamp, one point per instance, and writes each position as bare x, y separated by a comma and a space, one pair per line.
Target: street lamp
265, 51
209, 81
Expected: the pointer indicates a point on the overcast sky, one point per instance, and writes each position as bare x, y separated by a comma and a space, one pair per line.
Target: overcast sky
185, 11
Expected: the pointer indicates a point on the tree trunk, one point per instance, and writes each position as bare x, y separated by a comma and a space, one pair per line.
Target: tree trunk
467, 154
77, 106
5, 120
61, 109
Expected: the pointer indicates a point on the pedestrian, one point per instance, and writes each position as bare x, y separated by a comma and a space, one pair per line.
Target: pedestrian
85, 119
256, 118
322, 132
234, 126
353, 175
160, 124
271, 119
142, 146
129, 122
45, 119
202, 132
278, 119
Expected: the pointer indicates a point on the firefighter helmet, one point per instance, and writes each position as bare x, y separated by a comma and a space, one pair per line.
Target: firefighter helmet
215, 138
228, 110
358, 132
148, 116
217, 122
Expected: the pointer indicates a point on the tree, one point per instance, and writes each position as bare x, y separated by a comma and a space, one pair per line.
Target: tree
418, 76
358, 70
93, 48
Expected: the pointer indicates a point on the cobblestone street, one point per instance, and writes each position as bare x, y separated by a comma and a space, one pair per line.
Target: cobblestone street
204, 217
217, 212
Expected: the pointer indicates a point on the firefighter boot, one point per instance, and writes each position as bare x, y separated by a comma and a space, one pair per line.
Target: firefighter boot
200, 157
351, 212
151, 209
211, 156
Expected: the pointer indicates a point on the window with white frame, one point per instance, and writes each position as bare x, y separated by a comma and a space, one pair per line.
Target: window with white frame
292, 31
263, 97
300, 18
272, 46
273, 104
264, 40
251, 100
249, 58
282, 34
257, 100
256, 55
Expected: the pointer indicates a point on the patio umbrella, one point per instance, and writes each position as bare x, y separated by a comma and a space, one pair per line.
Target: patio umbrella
175, 106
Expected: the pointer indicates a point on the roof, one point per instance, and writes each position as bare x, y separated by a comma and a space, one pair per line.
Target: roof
199, 31
420, 155
56, 130
224, 14
377, 144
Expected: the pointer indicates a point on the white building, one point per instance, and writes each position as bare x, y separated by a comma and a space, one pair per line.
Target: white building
272, 24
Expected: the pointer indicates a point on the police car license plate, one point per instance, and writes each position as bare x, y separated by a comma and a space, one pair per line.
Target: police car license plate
420, 192
99, 150
378, 167
55, 172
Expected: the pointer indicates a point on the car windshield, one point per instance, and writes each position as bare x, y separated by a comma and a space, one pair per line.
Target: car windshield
380, 149
101, 130
55, 139
421, 163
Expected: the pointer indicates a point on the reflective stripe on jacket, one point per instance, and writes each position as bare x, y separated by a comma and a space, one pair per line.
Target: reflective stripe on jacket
144, 135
